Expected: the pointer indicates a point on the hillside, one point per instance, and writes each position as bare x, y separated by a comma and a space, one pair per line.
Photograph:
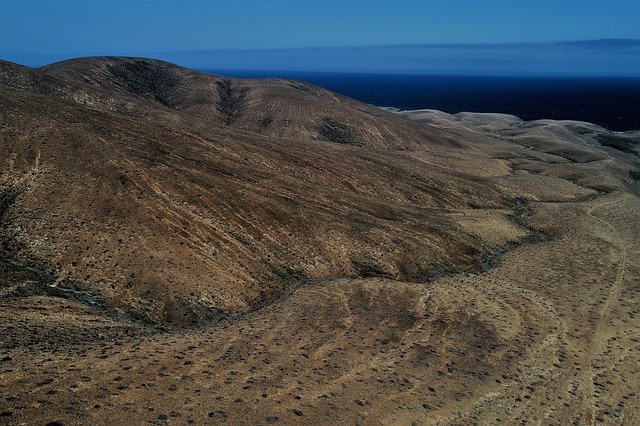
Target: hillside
274, 107
174, 223
182, 247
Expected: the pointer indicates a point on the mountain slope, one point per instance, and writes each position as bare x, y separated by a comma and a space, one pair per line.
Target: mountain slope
175, 223
275, 107
162, 262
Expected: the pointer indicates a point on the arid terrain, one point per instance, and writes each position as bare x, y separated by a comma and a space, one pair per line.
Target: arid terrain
184, 248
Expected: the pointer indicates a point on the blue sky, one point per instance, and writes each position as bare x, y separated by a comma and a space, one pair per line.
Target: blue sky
34, 32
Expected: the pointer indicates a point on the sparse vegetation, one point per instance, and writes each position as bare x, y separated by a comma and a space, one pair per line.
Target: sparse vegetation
210, 275
626, 144
232, 98
145, 78
335, 131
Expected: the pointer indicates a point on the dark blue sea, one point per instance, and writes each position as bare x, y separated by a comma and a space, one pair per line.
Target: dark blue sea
612, 102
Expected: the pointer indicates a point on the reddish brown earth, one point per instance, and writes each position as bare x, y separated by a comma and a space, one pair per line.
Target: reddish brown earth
187, 248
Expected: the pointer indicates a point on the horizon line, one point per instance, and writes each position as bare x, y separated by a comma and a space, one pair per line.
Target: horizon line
363, 46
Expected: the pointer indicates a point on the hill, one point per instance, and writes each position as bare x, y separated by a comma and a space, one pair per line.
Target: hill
275, 107
176, 223
188, 248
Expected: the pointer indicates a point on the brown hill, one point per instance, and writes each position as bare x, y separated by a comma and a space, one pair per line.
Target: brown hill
276, 107
310, 259
175, 222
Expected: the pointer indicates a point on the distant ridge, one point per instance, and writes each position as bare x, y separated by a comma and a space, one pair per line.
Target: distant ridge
247, 104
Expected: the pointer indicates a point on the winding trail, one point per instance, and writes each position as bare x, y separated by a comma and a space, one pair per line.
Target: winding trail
614, 293
600, 335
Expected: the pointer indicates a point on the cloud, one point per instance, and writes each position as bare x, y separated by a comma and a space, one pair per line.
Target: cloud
590, 57
595, 57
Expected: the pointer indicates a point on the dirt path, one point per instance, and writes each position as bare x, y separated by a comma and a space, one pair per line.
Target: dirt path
602, 332
614, 293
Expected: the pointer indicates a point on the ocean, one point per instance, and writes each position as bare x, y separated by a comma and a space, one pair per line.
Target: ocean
611, 102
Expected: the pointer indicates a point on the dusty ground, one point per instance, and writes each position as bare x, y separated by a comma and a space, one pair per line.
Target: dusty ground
526, 309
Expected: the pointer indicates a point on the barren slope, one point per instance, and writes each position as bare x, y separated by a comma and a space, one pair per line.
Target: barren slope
176, 224
488, 274
283, 108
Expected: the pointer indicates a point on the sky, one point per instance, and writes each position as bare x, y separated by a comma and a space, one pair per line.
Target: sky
36, 32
